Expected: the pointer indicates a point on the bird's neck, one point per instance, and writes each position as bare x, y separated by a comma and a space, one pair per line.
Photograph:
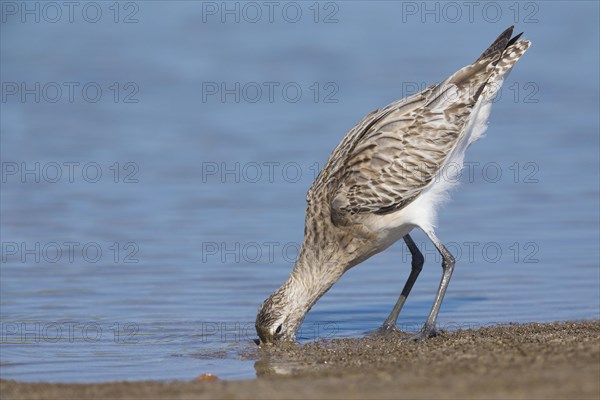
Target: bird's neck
311, 279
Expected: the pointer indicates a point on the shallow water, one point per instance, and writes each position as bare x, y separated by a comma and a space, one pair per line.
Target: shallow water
155, 268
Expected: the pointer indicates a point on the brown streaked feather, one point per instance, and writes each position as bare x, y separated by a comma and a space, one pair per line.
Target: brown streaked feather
334, 167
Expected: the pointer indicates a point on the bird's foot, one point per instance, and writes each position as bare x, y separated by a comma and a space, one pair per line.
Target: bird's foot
425, 333
387, 329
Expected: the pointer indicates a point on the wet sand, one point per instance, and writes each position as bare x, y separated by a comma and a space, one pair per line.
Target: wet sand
531, 361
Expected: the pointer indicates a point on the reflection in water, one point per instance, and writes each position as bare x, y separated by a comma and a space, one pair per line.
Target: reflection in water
278, 360
266, 367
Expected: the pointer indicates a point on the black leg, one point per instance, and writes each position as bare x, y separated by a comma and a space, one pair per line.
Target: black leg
417, 266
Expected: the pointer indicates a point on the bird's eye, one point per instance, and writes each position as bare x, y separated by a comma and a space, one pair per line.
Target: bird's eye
278, 330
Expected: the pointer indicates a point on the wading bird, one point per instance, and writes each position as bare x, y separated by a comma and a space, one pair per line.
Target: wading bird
388, 176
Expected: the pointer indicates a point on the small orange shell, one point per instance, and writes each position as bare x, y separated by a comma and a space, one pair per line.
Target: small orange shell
207, 378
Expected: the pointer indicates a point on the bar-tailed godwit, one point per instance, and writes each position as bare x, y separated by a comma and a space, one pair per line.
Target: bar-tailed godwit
388, 176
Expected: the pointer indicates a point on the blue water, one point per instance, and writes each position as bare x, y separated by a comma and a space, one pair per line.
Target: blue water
154, 269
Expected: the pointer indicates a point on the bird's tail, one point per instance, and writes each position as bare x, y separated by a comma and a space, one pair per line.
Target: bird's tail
500, 44
484, 76
504, 53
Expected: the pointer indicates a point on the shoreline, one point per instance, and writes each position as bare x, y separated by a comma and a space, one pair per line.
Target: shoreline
551, 360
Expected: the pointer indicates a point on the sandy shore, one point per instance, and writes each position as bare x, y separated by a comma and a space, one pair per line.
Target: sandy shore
532, 361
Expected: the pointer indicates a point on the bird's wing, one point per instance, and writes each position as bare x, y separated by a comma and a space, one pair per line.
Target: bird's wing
393, 154
398, 155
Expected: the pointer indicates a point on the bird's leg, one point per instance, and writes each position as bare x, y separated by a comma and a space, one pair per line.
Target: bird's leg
428, 329
417, 266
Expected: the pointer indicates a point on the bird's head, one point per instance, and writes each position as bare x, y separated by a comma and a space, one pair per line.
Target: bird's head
281, 314
279, 317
